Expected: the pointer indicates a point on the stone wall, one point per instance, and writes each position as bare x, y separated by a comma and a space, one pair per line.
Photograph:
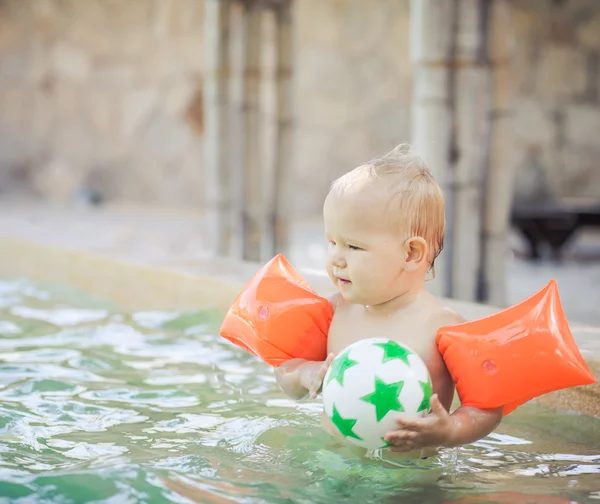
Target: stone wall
101, 94
557, 106
353, 88
107, 95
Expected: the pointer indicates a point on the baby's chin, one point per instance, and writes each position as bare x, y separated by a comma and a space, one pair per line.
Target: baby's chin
352, 294
345, 292
353, 297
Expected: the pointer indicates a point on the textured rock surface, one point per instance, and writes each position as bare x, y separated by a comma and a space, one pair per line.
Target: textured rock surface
110, 91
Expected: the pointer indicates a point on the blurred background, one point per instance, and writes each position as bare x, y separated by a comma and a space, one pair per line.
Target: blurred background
181, 130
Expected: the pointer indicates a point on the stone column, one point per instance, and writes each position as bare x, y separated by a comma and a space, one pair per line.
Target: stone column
253, 172
472, 88
451, 85
431, 33
216, 144
275, 238
499, 183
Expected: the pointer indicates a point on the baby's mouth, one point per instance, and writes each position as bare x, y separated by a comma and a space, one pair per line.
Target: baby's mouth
343, 281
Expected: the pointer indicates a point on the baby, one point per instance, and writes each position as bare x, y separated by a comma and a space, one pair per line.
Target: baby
385, 225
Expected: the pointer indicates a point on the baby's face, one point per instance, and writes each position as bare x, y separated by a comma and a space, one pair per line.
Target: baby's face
366, 256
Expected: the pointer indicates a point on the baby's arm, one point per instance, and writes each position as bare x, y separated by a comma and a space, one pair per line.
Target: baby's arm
469, 424
440, 429
299, 378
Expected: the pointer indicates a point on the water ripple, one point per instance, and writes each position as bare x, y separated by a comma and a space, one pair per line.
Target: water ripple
62, 317
154, 406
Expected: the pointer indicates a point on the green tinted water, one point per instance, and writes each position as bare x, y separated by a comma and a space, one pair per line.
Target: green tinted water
99, 405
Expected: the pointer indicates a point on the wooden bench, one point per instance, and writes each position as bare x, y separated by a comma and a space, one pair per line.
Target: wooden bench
553, 222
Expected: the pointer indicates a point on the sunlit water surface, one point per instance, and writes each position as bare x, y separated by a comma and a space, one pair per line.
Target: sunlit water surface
101, 405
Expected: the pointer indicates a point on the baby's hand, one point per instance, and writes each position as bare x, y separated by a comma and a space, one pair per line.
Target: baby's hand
313, 374
432, 431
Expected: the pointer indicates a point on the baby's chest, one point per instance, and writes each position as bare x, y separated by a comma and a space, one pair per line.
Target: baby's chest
348, 328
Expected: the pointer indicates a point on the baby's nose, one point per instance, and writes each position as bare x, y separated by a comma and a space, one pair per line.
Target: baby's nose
338, 260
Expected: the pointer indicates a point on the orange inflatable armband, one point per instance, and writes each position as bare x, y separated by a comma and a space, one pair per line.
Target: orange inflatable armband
278, 316
515, 355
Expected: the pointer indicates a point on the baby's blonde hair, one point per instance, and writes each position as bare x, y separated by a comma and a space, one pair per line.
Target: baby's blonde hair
414, 195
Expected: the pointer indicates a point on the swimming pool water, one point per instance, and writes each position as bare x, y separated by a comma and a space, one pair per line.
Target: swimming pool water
102, 405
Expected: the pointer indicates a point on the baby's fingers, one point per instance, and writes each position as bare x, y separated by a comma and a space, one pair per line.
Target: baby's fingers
328, 361
437, 407
323, 369
314, 389
411, 423
315, 386
320, 376
400, 437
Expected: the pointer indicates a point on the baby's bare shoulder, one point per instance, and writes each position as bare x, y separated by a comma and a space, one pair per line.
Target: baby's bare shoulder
447, 316
443, 316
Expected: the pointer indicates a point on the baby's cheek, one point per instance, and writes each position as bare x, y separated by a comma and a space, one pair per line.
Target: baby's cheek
329, 271
328, 267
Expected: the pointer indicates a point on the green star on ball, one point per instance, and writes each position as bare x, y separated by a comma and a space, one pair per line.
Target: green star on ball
385, 398
393, 350
427, 389
344, 425
340, 365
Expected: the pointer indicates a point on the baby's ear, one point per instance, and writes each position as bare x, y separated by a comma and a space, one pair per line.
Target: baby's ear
416, 253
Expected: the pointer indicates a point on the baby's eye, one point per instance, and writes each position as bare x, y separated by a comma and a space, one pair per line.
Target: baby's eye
354, 247
331, 242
